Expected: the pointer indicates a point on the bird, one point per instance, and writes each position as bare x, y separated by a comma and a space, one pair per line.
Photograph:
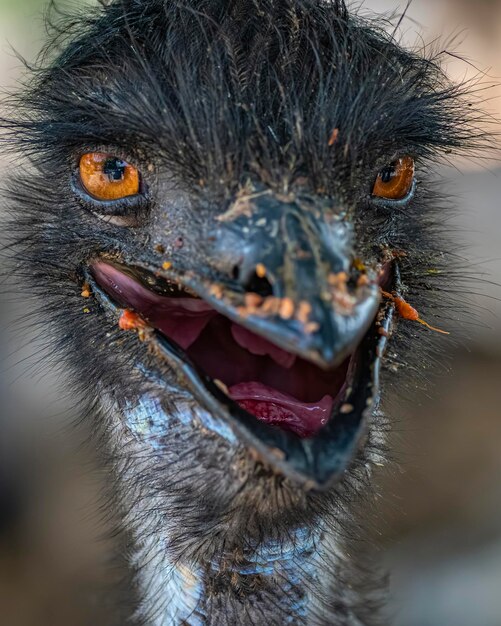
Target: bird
225, 217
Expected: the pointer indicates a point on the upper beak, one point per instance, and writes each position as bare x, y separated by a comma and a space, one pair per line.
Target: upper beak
298, 259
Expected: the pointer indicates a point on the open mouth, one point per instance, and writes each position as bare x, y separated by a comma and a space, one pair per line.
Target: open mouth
274, 385
304, 417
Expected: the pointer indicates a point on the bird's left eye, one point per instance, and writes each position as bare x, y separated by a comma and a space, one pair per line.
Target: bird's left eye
394, 182
107, 177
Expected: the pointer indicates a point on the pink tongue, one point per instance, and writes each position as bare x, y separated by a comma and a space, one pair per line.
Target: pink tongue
258, 345
273, 407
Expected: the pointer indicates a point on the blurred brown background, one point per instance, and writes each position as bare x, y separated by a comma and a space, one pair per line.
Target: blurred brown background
440, 502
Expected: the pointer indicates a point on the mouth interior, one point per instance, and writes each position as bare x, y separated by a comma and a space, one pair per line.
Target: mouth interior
276, 386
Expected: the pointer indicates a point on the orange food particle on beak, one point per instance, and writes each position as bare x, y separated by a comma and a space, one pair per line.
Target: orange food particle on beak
253, 300
260, 270
129, 320
286, 308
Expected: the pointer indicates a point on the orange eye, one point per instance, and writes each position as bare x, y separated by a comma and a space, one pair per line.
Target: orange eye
106, 177
395, 181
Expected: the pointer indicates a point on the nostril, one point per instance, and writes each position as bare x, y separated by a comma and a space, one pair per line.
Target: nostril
259, 284
235, 272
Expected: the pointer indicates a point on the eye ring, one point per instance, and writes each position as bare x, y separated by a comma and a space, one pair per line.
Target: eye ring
107, 178
396, 181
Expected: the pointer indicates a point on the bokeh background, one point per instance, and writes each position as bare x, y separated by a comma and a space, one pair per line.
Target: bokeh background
439, 522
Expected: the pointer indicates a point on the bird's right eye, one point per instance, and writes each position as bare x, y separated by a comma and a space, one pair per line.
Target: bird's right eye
107, 177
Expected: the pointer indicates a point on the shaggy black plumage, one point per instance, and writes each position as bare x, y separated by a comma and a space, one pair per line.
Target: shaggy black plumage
203, 97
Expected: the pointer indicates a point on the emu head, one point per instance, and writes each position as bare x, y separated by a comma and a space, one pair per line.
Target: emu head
218, 197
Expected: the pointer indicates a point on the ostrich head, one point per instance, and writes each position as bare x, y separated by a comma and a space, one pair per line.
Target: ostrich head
216, 198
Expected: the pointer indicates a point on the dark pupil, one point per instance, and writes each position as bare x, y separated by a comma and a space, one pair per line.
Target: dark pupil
388, 173
114, 169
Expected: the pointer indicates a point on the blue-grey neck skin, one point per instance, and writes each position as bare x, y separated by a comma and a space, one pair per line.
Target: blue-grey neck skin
273, 579
277, 580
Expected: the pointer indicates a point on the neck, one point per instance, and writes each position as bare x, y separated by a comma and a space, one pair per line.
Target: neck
205, 555
271, 583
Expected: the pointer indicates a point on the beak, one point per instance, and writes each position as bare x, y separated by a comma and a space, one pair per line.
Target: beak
297, 257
